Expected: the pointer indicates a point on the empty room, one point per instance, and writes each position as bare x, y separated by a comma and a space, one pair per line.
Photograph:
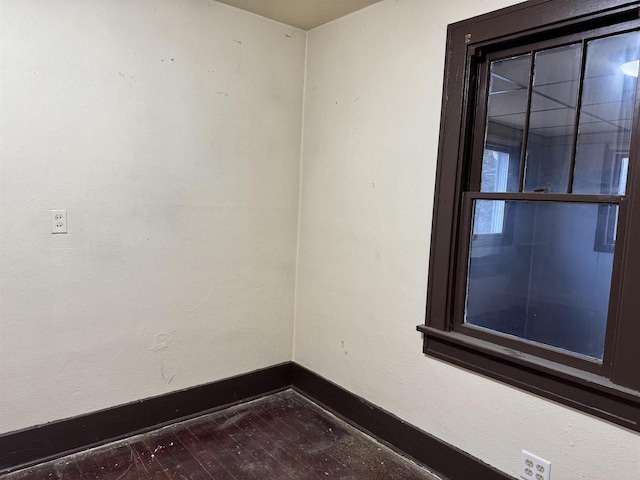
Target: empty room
355, 239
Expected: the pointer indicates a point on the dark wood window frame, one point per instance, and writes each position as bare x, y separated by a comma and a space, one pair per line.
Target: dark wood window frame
611, 390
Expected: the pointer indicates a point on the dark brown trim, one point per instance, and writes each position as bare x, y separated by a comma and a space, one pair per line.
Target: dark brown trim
527, 17
545, 197
417, 444
572, 387
52, 440
46, 442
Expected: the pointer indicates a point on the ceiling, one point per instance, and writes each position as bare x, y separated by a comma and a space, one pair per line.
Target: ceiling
304, 14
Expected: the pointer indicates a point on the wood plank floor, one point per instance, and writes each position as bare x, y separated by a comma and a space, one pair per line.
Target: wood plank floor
282, 436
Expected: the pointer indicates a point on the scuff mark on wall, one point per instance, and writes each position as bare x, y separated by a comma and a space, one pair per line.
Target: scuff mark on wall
164, 377
160, 346
161, 342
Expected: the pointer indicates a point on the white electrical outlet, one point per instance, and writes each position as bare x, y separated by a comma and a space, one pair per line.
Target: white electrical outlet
533, 467
58, 221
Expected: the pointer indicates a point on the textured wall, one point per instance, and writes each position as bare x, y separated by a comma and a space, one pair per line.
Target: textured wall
372, 114
170, 131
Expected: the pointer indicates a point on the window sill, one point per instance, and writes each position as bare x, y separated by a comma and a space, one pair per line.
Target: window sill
575, 388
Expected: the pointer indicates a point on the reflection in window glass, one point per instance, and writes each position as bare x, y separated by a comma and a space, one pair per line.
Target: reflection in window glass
622, 177
608, 99
489, 217
506, 112
552, 118
544, 281
495, 169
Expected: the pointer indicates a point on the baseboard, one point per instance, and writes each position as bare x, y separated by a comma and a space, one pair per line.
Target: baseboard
441, 457
52, 440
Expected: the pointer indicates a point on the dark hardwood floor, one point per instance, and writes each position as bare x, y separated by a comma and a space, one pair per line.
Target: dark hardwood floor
282, 436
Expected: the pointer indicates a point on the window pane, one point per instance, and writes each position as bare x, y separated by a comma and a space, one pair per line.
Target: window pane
542, 279
552, 119
506, 111
608, 99
488, 217
495, 170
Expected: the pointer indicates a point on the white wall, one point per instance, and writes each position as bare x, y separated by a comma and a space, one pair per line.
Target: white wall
170, 131
372, 113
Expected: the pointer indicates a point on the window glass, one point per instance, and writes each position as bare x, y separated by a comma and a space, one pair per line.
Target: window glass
495, 170
506, 112
608, 99
489, 217
544, 281
552, 118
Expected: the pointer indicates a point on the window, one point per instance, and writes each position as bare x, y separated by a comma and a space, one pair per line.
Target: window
532, 277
